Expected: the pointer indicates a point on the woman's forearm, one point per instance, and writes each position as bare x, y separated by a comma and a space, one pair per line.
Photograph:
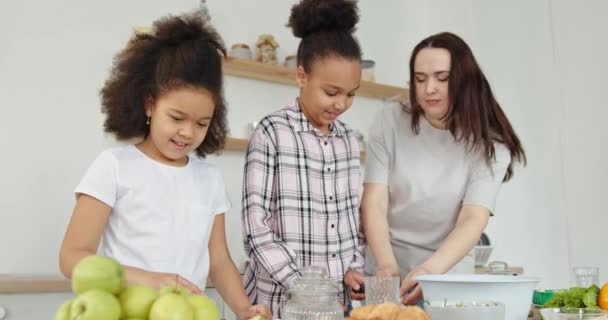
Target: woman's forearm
471, 222
374, 210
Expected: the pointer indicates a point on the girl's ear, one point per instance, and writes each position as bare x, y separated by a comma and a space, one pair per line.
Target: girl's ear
301, 76
149, 106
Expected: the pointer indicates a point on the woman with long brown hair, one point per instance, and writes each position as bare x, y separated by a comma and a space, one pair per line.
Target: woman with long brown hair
435, 167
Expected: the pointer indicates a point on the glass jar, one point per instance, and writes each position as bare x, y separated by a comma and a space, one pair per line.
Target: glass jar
367, 70
585, 277
313, 297
241, 51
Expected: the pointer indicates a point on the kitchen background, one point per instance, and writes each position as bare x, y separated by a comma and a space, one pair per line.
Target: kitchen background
545, 60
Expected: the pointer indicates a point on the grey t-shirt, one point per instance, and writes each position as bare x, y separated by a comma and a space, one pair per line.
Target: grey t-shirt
429, 177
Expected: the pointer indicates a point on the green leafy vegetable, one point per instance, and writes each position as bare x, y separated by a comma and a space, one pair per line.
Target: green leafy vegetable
574, 298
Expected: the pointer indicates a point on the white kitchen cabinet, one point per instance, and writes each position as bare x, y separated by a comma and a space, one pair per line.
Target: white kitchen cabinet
31, 306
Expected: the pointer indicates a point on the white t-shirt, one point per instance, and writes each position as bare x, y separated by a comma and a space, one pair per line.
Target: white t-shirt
161, 215
429, 177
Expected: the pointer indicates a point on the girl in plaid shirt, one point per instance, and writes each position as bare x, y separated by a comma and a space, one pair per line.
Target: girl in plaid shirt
302, 168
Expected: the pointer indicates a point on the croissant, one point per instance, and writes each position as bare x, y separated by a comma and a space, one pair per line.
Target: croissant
363, 312
388, 311
384, 311
412, 313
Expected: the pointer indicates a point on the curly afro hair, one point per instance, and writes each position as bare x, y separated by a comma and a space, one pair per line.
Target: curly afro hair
326, 28
180, 51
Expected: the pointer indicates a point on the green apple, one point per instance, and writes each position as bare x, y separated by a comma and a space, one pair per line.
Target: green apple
63, 313
179, 290
171, 306
98, 272
95, 305
258, 317
204, 308
136, 301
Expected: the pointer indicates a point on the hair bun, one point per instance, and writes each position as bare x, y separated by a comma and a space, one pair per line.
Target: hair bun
310, 16
174, 31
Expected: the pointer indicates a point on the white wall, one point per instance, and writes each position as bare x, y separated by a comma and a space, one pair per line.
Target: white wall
579, 33
54, 59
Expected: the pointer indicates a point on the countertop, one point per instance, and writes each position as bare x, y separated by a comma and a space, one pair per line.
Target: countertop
33, 284
10, 284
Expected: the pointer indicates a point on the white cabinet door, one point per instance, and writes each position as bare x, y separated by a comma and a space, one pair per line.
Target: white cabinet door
31, 306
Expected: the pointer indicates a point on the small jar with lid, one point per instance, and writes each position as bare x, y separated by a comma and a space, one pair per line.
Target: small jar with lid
367, 70
498, 268
240, 51
313, 297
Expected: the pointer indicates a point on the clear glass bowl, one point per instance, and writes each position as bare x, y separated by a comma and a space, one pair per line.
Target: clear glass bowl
572, 314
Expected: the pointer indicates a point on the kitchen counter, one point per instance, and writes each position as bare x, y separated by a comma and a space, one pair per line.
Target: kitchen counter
33, 284
10, 284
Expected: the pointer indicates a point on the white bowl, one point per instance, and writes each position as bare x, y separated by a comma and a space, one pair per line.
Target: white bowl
514, 291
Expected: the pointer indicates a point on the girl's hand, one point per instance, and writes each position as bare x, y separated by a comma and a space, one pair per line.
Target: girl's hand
354, 280
161, 280
254, 311
409, 283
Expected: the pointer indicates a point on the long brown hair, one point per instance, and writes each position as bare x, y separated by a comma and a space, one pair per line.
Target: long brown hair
473, 115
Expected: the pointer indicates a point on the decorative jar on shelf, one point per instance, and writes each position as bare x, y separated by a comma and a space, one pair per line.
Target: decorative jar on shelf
240, 51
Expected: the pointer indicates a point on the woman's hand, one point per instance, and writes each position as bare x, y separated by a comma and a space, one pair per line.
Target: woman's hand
159, 280
392, 271
354, 280
410, 283
255, 310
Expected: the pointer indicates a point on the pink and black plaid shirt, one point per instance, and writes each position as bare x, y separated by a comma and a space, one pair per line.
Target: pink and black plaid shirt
300, 205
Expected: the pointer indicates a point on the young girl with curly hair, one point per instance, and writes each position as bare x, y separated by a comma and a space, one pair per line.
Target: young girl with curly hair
157, 206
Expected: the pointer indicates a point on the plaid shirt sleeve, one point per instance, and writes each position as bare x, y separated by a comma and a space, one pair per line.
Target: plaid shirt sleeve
359, 258
261, 242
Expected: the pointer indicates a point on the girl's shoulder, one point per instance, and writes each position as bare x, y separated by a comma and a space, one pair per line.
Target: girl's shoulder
279, 117
119, 154
205, 169
282, 120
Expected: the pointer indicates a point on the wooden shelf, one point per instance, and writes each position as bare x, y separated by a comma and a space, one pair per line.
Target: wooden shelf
280, 74
10, 284
238, 144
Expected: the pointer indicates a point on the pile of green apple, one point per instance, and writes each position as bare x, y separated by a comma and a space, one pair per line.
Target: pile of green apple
101, 294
